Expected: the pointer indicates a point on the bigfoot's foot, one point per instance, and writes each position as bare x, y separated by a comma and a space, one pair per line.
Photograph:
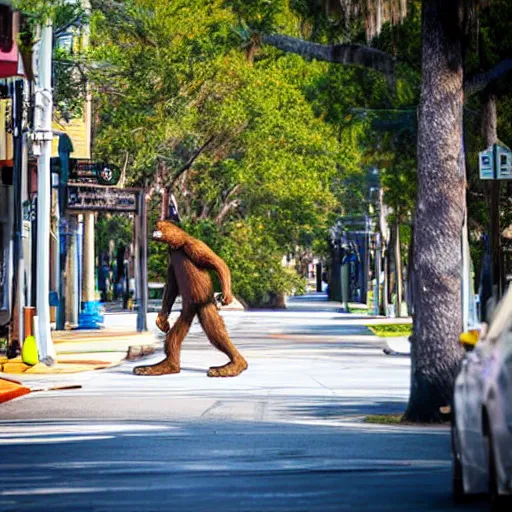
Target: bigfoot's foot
228, 370
163, 368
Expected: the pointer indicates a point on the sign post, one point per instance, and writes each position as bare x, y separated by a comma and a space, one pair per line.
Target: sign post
495, 165
83, 198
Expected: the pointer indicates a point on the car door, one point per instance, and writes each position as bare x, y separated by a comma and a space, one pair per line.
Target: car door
474, 450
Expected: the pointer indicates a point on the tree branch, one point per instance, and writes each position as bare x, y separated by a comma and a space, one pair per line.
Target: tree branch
348, 54
226, 209
114, 8
478, 82
232, 192
205, 211
76, 21
190, 162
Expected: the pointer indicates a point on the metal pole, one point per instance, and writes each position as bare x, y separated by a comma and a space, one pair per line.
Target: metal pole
19, 191
335, 280
378, 262
319, 277
142, 243
43, 148
495, 233
398, 270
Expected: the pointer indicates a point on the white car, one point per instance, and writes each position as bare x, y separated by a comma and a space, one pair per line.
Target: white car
482, 414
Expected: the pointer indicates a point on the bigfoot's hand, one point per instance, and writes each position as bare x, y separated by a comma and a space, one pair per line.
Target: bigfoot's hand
162, 323
227, 299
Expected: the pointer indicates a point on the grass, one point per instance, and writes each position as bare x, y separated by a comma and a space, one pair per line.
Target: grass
358, 311
384, 419
397, 419
391, 330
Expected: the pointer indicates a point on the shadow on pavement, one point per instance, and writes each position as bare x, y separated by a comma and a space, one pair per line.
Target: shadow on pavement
341, 408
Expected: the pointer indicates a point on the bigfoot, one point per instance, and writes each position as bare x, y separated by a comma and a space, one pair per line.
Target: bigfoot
187, 275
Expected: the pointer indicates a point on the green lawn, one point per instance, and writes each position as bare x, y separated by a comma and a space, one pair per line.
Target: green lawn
391, 330
384, 419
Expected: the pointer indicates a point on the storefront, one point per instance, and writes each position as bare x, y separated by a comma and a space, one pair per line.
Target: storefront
11, 163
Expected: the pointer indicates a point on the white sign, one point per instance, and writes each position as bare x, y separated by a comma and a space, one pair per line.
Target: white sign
486, 164
504, 163
495, 163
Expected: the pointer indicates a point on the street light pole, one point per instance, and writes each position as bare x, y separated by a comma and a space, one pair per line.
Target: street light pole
42, 149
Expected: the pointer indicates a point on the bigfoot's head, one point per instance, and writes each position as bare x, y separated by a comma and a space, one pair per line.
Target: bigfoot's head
170, 234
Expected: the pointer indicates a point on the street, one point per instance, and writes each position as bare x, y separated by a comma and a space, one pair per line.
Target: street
285, 435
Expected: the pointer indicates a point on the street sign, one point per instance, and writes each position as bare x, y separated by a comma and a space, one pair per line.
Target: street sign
504, 163
85, 171
495, 163
486, 161
104, 199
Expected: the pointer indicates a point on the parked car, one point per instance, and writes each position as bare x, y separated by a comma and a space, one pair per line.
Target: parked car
482, 412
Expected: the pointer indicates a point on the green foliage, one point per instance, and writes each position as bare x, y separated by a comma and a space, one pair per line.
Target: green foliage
68, 20
269, 162
116, 228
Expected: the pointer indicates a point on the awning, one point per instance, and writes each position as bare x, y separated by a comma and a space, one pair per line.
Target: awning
10, 62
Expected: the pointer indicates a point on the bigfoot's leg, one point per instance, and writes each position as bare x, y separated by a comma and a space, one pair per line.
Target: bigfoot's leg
215, 329
171, 364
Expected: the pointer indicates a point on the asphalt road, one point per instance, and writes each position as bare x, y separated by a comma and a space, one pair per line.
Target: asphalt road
285, 435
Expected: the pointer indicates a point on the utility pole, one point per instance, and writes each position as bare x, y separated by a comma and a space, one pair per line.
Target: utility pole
43, 150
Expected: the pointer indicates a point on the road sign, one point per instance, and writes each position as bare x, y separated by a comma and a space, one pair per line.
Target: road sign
86, 171
495, 163
100, 173
503, 163
105, 199
486, 161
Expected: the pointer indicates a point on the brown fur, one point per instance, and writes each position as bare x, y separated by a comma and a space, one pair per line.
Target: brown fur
187, 275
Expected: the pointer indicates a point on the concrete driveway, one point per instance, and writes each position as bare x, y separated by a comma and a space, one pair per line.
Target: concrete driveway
285, 435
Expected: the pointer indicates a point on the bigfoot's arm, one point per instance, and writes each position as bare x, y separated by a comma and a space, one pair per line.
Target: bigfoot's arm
202, 256
170, 294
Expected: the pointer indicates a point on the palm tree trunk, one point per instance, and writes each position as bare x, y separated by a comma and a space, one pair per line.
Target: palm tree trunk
435, 351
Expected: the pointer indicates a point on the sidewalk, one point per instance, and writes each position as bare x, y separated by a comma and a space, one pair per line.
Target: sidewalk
79, 351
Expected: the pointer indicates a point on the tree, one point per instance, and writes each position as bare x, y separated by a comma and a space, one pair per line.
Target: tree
236, 139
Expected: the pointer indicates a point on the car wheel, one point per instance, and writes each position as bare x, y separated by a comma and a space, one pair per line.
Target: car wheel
499, 503
457, 479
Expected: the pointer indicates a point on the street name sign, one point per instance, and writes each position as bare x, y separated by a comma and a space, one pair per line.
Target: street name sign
105, 199
102, 173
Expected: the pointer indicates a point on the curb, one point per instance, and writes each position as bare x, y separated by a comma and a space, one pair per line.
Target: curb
399, 346
79, 362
